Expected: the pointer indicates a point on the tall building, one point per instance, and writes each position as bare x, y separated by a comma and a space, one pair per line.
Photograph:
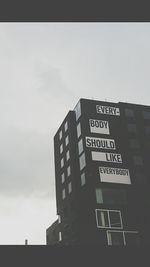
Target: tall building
102, 171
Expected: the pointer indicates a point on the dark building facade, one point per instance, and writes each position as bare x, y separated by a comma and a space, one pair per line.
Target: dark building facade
102, 168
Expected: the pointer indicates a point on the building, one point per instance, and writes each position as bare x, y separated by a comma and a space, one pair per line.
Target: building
102, 169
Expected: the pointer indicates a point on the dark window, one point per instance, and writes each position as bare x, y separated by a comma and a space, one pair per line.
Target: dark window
115, 219
109, 218
82, 161
115, 238
102, 218
140, 178
137, 160
83, 179
78, 130
146, 114
131, 128
134, 143
129, 113
78, 111
60, 135
66, 126
110, 196
80, 146
131, 239
147, 129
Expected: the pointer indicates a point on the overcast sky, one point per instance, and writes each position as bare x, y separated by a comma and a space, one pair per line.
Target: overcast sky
45, 68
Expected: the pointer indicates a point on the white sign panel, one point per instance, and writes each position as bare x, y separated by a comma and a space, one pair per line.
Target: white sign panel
108, 110
107, 157
100, 143
98, 126
114, 175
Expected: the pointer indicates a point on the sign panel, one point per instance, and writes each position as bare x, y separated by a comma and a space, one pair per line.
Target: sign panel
107, 157
100, 143
108, 110
114, 175
99, 126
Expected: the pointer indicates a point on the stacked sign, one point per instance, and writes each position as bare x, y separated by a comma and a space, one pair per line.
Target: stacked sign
107, 174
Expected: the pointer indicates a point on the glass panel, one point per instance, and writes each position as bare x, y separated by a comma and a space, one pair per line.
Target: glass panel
60, 135
129, 112
147, 129
132, 239
115, 238
102, 218
68, 155
132, 128
66, 126
82, 161
61, 148
69, 187
137, 160
146, 114
83, 179
78, 110
62, 162
67, 140
63, 178
99, 196
80, 146
78, 130
68, 171
63, 194
115, 219
134, 143
60, 236
113, 196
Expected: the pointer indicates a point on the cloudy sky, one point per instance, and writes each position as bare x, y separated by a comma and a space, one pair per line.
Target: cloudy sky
44, 69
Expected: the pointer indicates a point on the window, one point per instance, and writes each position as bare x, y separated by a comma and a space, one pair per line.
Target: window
59, 219
80, 146
63, 194
108, 218
60, 135
66, 126
122, 238
111, 196
131, 128
134, 143
62, 178
147, 129
115, 238
68, 171
62, 162
69, 188
67, 140
140, 178
67, 155
78, 111
83, 179
146, 114
82, 161
61, 148
78, 130
60, 236
137, 160
129, 113
131, 238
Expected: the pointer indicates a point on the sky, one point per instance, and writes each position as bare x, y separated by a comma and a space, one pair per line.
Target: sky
45, 68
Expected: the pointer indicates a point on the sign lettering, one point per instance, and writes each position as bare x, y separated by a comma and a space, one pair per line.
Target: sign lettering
114, 175
107, 157
99, 126
100, 143
108, 110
